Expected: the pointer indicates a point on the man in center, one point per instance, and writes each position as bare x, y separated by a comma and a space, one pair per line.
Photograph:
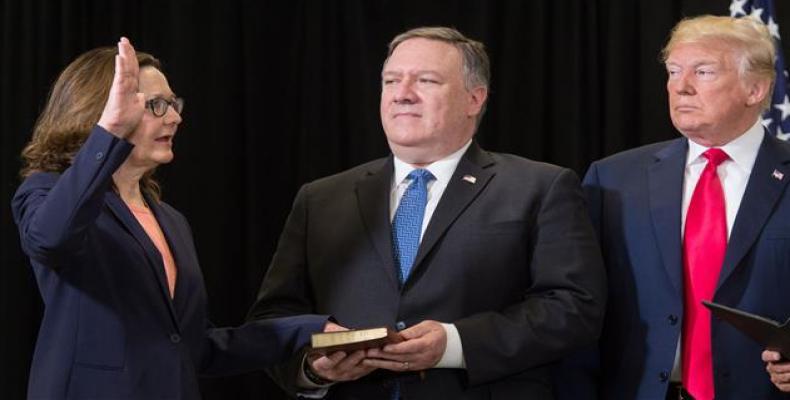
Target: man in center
485, 263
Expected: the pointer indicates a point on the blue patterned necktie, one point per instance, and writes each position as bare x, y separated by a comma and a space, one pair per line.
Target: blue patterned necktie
406, 229
407, 224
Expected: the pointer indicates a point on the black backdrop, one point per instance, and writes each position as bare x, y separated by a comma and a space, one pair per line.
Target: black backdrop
282, 92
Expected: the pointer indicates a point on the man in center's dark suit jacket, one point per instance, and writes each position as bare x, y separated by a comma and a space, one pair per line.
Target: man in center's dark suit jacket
508, 277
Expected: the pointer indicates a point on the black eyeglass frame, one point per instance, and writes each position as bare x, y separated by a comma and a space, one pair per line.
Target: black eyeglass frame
157, 103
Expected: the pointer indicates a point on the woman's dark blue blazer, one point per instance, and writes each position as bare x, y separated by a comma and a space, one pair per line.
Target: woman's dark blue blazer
110, 329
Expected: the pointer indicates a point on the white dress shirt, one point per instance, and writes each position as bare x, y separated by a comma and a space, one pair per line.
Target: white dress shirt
442, 170
733, 174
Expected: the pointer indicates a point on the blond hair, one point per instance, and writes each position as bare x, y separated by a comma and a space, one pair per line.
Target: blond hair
753, 47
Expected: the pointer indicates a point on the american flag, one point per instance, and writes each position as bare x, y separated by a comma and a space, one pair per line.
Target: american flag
777, 118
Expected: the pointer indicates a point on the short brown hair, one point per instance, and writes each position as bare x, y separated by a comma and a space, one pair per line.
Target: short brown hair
477, 67
750, 39
74, 105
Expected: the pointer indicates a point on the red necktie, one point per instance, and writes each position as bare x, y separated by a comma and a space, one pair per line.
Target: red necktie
704, 245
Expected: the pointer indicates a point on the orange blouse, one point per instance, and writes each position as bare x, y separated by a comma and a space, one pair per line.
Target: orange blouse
146, 218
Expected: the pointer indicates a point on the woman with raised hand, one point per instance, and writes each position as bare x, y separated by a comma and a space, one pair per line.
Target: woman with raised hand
125, 302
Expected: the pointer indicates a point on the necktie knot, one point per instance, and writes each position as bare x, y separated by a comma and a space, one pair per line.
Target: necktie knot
715, 156
421, 176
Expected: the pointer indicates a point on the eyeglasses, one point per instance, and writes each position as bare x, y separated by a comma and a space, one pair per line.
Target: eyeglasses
158, 106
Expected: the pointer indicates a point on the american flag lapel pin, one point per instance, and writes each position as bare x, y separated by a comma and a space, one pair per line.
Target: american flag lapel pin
777, 175
469, 178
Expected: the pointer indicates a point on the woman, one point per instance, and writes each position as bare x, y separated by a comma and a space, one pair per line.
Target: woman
125, 304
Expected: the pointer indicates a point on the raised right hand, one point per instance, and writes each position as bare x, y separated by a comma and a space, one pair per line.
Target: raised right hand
125, 105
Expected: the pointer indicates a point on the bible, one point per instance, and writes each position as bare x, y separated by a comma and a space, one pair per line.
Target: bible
769, 333
352, 340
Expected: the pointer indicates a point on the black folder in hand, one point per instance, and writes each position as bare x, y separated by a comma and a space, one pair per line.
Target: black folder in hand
769, 333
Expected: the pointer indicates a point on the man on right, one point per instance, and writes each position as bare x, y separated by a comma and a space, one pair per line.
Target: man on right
702, 217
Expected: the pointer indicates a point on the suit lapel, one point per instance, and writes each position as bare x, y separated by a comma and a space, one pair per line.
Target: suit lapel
762, 192
373, 198
665, 185
457, 196
178, 248
152, 255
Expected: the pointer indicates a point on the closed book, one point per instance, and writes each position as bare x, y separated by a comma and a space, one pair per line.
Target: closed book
352, 340
771, 334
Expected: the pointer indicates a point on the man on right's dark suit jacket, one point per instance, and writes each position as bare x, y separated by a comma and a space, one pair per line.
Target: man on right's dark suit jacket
720, 71
508, 276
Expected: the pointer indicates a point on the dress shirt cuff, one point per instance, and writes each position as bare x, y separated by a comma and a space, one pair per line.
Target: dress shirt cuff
453, 356
307, 388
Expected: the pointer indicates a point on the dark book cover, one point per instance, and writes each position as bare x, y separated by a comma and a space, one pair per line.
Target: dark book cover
769, 333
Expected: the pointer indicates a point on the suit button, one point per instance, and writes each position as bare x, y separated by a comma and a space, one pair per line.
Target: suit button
673, 319
175, 338
99, 156
400, 325
664, 376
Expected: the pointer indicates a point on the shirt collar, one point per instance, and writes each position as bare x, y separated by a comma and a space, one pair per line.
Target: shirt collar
442, 169
742, 150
